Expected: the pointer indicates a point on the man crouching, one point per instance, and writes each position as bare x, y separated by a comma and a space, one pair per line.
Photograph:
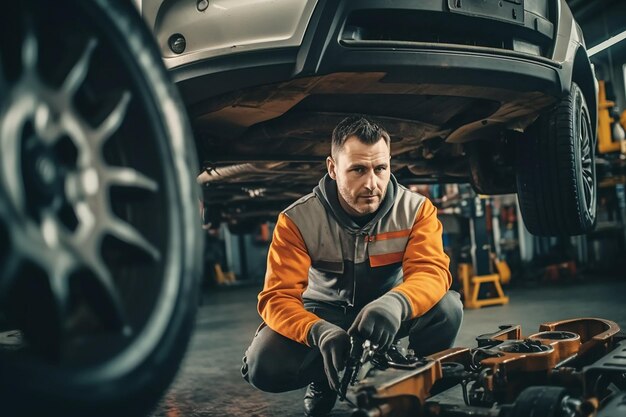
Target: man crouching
361, 255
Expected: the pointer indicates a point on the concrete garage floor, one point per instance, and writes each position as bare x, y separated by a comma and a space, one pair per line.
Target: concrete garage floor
209, 384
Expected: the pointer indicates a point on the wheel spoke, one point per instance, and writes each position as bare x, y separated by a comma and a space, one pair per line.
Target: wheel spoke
128, 177
113, 120
11, 125
127, 233
585, 148
581, 128
58, 265
59, 285
586, 159
586, 134
110, 309
587, 175
589, 191
30, 48
78, 73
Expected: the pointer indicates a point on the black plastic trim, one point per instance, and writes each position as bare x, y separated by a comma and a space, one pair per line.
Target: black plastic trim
314, 38
214, 76
449, 67
446, 47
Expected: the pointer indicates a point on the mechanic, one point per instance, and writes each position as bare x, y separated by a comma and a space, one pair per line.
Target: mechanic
359, 256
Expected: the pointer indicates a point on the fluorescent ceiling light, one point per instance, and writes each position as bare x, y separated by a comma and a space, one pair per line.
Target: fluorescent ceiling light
607, 43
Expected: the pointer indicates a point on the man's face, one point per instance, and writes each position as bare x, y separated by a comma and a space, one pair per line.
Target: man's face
362, 173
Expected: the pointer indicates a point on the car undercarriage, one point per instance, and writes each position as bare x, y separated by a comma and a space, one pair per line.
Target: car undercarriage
263, 147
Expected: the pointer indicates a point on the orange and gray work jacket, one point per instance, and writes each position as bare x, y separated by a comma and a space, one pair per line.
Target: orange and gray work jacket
319, 253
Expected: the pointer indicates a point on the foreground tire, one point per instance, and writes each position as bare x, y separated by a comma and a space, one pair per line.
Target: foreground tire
99, 240
556, 178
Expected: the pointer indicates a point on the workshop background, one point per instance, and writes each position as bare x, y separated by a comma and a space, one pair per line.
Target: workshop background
138, 138
531, 280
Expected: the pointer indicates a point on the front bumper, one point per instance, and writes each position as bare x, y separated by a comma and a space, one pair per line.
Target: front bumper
334, 42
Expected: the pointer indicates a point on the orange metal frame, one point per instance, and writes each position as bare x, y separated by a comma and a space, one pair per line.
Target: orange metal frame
509, 372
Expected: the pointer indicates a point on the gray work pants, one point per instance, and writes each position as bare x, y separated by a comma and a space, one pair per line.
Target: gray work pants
274, 363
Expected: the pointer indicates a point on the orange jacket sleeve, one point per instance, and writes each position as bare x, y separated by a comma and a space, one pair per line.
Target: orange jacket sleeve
425, 265
280, 303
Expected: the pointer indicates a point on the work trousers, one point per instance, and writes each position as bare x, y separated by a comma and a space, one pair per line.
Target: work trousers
274, 363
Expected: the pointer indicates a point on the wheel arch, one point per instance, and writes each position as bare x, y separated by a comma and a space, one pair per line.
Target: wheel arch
582, 74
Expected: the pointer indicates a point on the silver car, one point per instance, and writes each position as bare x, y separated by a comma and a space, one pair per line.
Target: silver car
498, 93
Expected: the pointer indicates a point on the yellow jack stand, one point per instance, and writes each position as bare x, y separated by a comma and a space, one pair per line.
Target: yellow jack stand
223, 278
471, 286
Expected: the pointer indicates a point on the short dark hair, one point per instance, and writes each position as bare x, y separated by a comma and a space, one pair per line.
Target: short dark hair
365, 130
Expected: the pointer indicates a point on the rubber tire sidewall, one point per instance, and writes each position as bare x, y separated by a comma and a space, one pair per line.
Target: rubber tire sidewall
549, 171
135, 391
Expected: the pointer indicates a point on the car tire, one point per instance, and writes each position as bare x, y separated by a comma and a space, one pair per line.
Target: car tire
539, 401
100, 244
556, 178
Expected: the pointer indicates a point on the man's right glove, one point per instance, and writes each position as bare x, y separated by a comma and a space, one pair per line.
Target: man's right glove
334, 344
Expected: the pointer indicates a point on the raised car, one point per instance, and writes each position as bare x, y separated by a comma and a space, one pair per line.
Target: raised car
497, 93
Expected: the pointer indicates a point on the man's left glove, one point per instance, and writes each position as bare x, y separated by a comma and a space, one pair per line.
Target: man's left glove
379, 321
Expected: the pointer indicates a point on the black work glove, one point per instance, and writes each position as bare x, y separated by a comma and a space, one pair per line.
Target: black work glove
379, 321
334, 344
